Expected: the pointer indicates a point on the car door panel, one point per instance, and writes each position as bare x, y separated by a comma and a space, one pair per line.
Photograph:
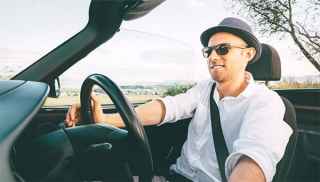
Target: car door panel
306, 165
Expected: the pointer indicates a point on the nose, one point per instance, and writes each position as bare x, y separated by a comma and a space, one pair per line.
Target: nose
213, 57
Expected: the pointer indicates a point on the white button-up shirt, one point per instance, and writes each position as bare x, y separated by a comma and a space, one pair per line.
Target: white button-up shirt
252, 124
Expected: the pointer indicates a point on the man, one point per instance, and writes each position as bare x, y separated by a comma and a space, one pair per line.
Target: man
248, 112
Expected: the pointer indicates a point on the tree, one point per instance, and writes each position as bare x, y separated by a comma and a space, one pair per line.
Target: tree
177, 89
298, 19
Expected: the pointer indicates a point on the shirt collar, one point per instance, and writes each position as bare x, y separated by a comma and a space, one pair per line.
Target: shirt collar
245, 93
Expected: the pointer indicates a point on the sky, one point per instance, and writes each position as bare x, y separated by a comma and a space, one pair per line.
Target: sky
31, 28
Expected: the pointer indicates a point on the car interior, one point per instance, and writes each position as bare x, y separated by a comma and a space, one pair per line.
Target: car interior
37, 146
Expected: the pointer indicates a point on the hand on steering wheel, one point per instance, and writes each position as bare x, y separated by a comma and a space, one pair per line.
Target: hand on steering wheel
138, 144
73, 115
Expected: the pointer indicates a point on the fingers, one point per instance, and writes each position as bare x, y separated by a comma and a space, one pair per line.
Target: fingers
73, 112
73, 115
96, 108
95, 103
95, 99
68, 121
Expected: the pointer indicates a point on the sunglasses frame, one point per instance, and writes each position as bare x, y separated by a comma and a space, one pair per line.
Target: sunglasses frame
206, 51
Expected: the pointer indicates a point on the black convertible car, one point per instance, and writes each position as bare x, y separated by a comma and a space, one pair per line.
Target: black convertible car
36, 146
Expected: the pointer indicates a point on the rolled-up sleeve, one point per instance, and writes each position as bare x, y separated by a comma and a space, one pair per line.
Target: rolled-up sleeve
181, 106
263, 135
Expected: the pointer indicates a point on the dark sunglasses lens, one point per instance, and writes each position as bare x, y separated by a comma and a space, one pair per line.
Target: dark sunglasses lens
222, 50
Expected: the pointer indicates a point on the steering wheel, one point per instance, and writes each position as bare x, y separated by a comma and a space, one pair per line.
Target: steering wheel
136, 133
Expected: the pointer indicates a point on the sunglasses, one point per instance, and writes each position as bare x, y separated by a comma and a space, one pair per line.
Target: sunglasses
221, 49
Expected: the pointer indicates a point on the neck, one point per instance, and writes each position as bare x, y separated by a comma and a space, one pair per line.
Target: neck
232, 88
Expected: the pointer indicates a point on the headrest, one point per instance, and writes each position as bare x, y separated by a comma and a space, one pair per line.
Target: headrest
268, 66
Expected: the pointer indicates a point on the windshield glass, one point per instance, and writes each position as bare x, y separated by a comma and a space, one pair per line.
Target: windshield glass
144, 65
161, 48
135, 57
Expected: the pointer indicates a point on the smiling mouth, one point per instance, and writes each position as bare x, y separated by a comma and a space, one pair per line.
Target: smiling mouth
216, 66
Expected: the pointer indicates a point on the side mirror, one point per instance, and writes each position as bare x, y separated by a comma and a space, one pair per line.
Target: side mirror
54, 88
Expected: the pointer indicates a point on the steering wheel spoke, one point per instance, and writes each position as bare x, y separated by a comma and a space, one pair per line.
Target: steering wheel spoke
137, 137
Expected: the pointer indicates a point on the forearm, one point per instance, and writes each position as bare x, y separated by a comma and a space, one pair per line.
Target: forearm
150, 113
114, 119
247, 170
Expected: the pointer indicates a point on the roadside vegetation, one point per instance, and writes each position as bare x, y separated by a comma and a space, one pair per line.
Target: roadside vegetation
295, 85
71, 96
177, 89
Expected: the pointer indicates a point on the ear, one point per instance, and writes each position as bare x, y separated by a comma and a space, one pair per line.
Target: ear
250, 53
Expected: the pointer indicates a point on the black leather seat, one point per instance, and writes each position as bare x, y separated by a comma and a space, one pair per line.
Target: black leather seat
268, 68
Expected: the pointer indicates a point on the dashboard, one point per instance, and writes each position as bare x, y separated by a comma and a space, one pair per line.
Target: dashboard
19, 102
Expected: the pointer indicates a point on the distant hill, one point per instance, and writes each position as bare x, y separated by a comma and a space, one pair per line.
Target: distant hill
302, 79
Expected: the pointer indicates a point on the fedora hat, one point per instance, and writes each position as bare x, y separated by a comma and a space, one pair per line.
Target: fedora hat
237, 27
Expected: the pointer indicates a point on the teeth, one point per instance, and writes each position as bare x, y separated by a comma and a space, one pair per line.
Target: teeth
212, 66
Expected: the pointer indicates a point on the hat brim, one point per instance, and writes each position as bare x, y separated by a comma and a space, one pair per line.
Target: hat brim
249, 38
